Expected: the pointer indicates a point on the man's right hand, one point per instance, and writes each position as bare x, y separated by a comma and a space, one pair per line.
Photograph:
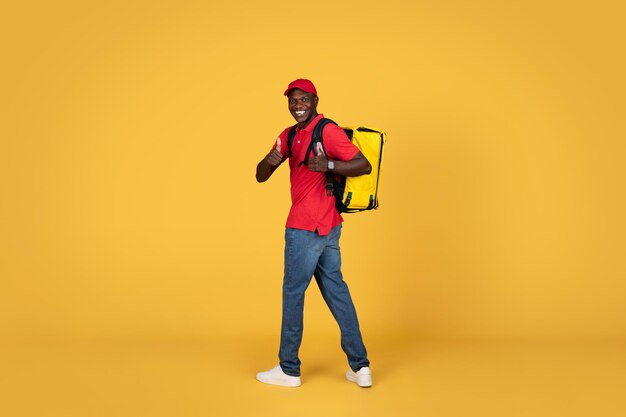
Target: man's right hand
275, 157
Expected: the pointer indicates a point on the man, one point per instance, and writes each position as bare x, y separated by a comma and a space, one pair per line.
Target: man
312, 235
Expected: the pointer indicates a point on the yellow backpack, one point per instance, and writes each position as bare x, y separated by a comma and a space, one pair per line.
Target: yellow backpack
352, 194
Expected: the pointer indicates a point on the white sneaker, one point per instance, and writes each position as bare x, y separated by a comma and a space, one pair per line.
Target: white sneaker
363, 377
276, 376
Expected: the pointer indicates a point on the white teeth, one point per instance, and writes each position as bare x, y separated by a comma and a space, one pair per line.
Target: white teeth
299, 113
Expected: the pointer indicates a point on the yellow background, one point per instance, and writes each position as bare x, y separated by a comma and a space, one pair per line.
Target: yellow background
130, 132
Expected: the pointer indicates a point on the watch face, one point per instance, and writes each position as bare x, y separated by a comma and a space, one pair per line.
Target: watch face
331, 165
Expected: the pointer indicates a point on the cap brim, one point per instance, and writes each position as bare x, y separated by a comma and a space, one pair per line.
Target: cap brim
287, 91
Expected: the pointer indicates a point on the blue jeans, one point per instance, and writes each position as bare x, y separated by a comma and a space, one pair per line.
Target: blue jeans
308, 254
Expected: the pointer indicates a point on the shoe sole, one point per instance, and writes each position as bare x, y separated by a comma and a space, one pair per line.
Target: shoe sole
280, 383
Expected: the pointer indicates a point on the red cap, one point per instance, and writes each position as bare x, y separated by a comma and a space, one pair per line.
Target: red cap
304, 85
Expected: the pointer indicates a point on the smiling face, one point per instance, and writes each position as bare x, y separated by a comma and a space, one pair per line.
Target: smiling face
302, 106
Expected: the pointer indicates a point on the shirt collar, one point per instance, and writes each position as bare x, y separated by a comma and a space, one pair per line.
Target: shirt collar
311, 126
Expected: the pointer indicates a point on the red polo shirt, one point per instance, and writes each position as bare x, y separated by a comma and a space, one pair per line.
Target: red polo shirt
311, 208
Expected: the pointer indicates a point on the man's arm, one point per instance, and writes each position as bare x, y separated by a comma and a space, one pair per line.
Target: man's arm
266, 167
359, 165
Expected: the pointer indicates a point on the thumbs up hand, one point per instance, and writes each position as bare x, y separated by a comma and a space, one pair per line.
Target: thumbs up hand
318, 163
275, 157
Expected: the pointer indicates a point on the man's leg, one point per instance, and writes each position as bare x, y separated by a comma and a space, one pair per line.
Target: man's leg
337, 296
302, 251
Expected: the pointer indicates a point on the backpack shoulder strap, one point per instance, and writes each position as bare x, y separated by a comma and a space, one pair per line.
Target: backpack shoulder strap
290, 138
319, 128
317, 138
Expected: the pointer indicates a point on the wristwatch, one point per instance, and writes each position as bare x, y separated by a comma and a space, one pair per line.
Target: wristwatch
331, 165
